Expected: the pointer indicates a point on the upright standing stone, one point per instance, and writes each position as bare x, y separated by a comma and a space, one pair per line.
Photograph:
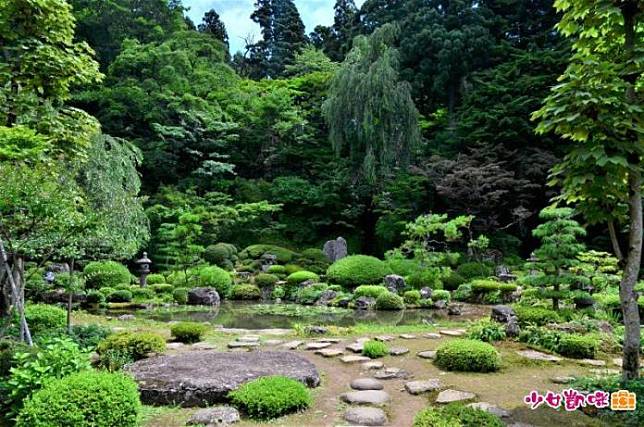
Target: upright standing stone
335, 249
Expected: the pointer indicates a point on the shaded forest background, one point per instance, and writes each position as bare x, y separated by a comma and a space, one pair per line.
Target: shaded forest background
283, 144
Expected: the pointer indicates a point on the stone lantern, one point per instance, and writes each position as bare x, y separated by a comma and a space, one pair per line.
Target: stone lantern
532, 260
144, 268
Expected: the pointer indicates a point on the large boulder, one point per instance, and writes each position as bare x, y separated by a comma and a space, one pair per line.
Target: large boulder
506, 315
326, 297
203, 296
365, 303
201, 378
335, 249
395, 283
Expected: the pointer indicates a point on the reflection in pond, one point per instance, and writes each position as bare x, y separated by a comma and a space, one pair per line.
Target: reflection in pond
264, 316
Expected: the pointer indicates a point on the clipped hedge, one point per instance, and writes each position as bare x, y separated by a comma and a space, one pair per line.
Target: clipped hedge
467, 355
188, 332
434, 417
441, 294
180, 295
277, 269
298, 277
266, 280
42, 317
85, 399
491, 285
245, 292
271, 397
155, 279
474, 270
412, 297
578, 346
134, 344
390, 301
100, 274
215, 277
536, 315
356, 270
222, 255
121, 295
283, 255
372, 291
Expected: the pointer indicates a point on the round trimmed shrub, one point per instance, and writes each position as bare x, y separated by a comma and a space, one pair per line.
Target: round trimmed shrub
463, 293
430, 277
94, 297
453, 281
310, 294
536, 315
292, 268
412, 297
106, 290
265, 280
155, 279
389, 301
120, 296
434, 417
271, 397
180, 295
471, 417
88, 336
256, 251
85, 399
298, 277
134, 344
41, 317
441, 294
278, 292
143, 293
215, 277
99, 274
245, 292
468, 355
162, 288
276, 269
188, 332
371, 291
314, 260
578, 346
375, 349
356, 270
222, 255
473, 270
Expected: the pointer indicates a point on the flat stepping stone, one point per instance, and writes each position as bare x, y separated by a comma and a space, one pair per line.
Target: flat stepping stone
362, 339
562, 380
273, 342
384, 338
418, 387
366, 416
539, 356
331, 340
407, 336
617, 361
605, 372
449, 396
329, 352
492, 409
366, 397
202, 346
355, 347
239, 344
398, 351
432, 336
429, 354
174, 345
374, 364
248, 338
592, 362
452, 332
200, 378
215, 416
391, 373
354, 359
292, 345
366, 384
317, 345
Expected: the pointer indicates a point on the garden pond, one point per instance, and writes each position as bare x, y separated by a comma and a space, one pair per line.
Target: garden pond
250, 315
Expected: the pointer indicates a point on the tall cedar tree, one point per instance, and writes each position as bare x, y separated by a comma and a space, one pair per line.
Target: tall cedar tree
336, 40
212, 24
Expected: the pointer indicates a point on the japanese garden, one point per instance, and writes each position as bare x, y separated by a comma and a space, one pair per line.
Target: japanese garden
407, 213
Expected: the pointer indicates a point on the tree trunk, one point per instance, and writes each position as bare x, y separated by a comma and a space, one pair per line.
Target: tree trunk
612, 232
16, 294
627, 294
70, 297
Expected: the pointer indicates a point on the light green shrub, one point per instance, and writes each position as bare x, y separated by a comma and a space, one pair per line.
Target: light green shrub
265, 280
412, 297
486, 330
276, 269
256, 251
578, 346
372, 291
135, 344
356, 270
245, 292
155, 279
434, 417
375, 349
162, 288
215, 277
440, 294
99, 274
43, 317
310, 294
467, 355
188, 332
271, 397
298, 277
120, 296
389, 301
463, 293
535, 315
180, 295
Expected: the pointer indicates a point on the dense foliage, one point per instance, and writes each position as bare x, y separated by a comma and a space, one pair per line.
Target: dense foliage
468, 355
271, 397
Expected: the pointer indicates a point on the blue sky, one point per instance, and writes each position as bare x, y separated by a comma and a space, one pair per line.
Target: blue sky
236, 16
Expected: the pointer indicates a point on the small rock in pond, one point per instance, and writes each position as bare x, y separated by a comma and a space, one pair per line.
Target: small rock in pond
203, 296
492, 409
354, 359
449, 396
366, 397
429, 354
215, 416
366, 416
418, 387
562, 380
366, 384
398, 351
317, 345
454, 309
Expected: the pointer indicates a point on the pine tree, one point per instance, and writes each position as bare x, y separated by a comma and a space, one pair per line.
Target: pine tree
336, 40
212, 24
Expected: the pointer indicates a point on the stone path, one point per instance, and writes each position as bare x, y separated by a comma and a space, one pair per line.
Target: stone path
539, 356
449, 396
429, 354
418, 387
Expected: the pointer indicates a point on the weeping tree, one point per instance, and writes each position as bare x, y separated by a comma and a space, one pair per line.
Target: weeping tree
372, 119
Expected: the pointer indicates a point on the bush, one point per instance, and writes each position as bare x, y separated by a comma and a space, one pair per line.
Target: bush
55, 359
389, 301
375, 349
120, 296
43, 317
467, 355
611, 384
106, 290
215, 277
540, 337
372, 291
430, 277
412, 297
310, 294
491, 285
161, 288
85, 399
463, 293
578, 346
271, 397
155, 279
453, 281
426, 303
314, 260
8, 348
99, 274
222, 255
434, 417
134, 344
95, 297
188, 332
144, 294
292, 268
472, 417
356, 270
473, 270
180, 295
256, 251
401, 266
276, 269
486, 330
441, 295
536, 315
245, 292
88, 336
265, 280
298, 277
